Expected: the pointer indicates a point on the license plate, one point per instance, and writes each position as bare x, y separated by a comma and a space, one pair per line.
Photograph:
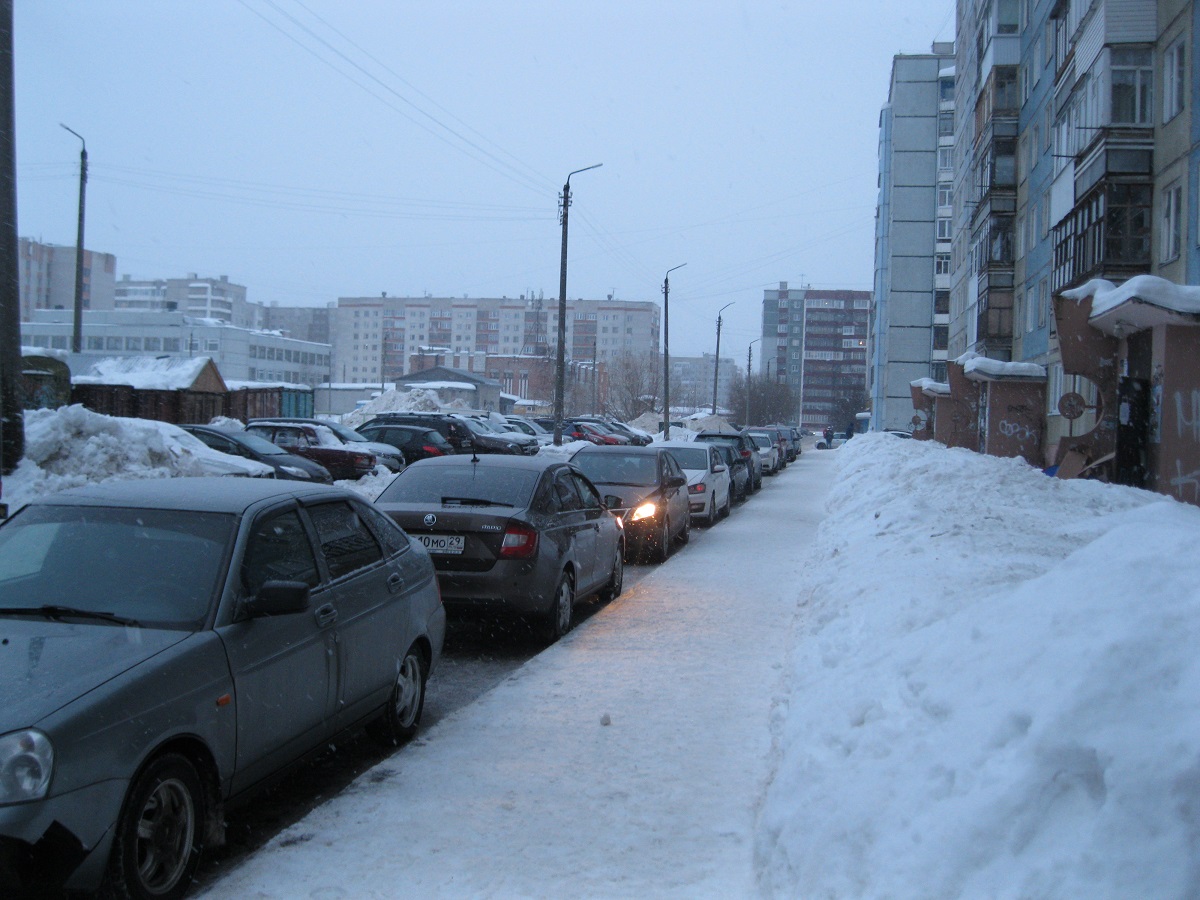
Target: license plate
442, 543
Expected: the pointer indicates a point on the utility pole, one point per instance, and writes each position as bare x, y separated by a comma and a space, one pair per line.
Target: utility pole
749, 362
561, 359
667, 351
717, 358
77, 334
12, 428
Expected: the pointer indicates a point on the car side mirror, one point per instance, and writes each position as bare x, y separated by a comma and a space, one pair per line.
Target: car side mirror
719, 467
611, 501
676, 481
279, 598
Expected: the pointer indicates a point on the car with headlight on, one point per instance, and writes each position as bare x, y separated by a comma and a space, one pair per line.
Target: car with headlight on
649, 490
524, 535
171, 645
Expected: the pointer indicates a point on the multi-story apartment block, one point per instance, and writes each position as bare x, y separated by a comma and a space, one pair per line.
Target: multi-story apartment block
207, 298
46, 277
910, 318
816, 342
240, 354
1176, 143
378, 338
692, 380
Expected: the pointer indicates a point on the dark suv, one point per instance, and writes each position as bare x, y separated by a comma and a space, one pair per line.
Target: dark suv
457, 433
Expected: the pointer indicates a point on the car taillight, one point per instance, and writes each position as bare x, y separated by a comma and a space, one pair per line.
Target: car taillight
520, 542
431, 451
697, 488
745, 454
364, 460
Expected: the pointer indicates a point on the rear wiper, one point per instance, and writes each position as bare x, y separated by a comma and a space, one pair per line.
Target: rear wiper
58, 613
469, 501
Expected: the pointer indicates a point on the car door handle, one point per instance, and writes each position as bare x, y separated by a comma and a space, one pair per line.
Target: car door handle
395, 582
326, 615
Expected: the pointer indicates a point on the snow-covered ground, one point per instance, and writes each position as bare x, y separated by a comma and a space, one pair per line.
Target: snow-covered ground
898, 671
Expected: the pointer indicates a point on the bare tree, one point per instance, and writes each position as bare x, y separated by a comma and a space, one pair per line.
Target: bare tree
634, 381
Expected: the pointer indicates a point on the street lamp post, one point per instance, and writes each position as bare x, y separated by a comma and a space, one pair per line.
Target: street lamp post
667, 351
749, 361
77, 334
717, 358
561, 359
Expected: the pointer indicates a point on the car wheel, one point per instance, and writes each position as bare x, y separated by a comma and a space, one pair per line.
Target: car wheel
685, 534
726, 507
711, 519
400, 718
558, 621
160, 834
660, 547
616, 581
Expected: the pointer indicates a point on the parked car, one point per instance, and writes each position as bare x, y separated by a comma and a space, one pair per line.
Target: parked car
747, 458
484, 425
608, 436
251, 446
414, 441
710, 492
318, 443
739, 473
636, 437
768, 449
648, 489
175, 643
386, 454
455, 429
781, 442
530, 427
515, 534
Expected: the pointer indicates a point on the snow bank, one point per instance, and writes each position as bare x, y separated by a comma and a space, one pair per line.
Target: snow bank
995, 690
419, 400
72, 446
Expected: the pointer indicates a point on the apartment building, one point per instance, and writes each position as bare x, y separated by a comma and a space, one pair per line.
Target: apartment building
910, 317
380, 337
816, 342
206, 298
46, 277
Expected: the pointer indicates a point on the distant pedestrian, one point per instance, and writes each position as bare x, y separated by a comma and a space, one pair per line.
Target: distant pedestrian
850, 431
828, 435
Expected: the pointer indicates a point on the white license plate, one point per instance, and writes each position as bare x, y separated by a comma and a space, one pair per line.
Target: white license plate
442, 543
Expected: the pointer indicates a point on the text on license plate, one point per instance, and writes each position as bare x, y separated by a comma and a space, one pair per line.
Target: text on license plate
442, 543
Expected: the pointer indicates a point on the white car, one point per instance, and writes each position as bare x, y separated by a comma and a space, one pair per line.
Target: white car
528, 426
709, 488
768, 449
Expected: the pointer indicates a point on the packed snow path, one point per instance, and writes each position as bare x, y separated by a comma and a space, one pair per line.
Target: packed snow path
629, 760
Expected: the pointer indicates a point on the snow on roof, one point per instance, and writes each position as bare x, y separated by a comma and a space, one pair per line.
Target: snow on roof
982, 366
44, 351
441, 385
946, 72
929, 386
149, 373
1141, 302
239, 385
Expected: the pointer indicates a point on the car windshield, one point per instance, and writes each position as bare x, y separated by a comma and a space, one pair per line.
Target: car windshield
618, 468
475, 425
695, 458
159, 568
461, 485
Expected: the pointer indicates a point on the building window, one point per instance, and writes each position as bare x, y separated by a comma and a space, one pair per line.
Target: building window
941, 303
946, 159
945, 195
943, 230
941, 337
941, 265
1172, 222
1174, 80
1132, 86
945, 123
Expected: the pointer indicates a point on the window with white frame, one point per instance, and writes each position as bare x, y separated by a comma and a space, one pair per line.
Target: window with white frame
1174, 80
941, 265
945, 195
1132, 76
946, 158
1172, 222
944, 232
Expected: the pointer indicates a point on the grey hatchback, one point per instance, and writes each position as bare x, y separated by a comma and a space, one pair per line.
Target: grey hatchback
168, 645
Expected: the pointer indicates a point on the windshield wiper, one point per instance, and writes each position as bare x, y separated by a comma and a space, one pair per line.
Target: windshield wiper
58, 613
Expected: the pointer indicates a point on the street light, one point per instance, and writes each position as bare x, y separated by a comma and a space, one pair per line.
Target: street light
560, 359
667, 352
717, 358
77, 335
749, 361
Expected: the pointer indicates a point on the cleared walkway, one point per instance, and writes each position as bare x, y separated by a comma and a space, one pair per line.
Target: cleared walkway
629, 760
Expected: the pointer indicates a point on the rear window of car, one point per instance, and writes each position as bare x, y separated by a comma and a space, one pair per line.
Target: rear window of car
691, 457
618, 468
469, 485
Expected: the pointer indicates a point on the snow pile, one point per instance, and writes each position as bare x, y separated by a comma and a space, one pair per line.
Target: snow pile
72, 446
995, 690
147, 373
1150, 289
419, 400
564, 451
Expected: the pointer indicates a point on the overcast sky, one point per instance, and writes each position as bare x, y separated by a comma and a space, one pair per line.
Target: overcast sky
312, 149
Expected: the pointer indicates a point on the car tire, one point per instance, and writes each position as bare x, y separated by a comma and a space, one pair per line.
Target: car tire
660, 549
711, 519
616, 582
161, 832
402, 715
685, 533
558, 619
728, 505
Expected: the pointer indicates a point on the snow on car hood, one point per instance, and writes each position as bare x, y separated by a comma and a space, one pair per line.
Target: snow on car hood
45, 665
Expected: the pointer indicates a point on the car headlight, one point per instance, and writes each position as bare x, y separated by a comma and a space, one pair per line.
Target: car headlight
294, 471
643, 511
26, 761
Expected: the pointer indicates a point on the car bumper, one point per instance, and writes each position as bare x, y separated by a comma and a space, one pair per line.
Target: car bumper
61, 842
521, 587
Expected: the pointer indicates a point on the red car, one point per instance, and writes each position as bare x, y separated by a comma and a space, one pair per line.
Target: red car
318, 443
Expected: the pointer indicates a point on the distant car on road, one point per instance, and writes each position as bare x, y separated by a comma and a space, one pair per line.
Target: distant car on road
288, 466
517, 534
174, 644
648, 489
